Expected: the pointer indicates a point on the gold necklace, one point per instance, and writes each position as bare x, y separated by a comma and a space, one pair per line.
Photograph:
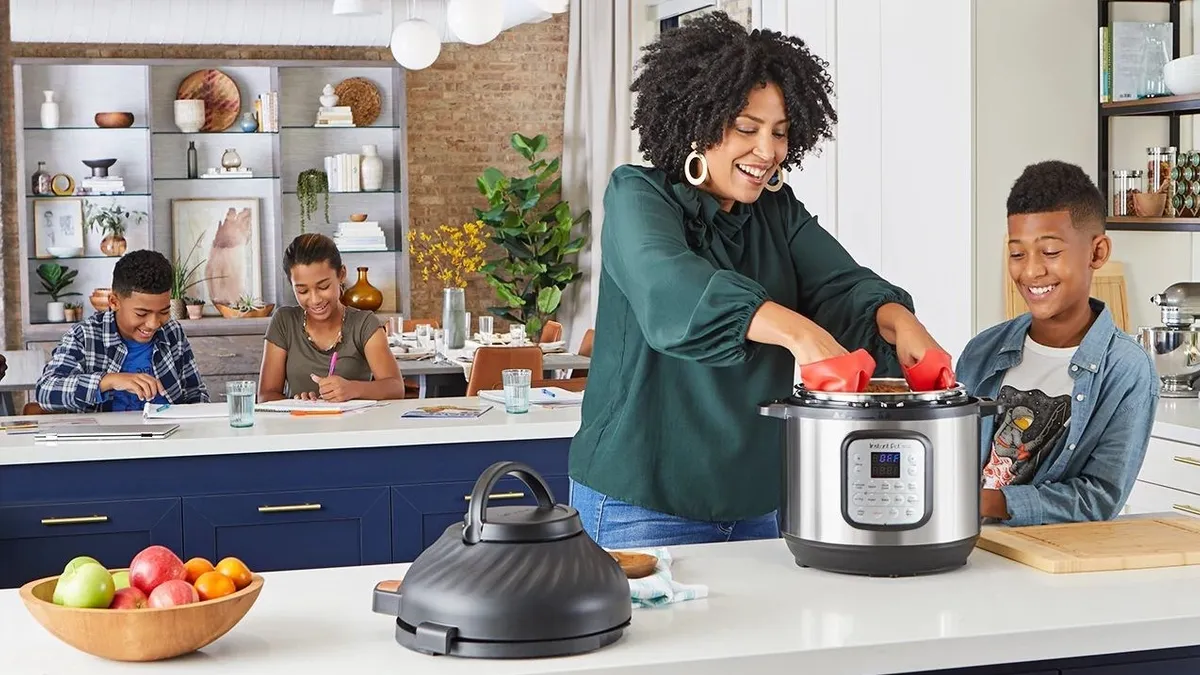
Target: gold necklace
336, 342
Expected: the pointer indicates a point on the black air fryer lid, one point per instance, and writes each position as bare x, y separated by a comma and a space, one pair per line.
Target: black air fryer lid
510, 582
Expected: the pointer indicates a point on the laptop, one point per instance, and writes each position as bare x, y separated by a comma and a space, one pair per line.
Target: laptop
103, 432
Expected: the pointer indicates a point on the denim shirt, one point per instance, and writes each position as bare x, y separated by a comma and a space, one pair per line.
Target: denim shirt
1114, 398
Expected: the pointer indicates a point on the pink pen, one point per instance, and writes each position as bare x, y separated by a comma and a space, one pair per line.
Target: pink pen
332, 363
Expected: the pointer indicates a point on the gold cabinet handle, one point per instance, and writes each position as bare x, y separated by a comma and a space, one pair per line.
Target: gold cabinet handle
1191, 461
499, 495
289, 508
77, 520
1190, 510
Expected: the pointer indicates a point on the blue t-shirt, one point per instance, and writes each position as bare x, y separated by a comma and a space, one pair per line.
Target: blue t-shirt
137, 360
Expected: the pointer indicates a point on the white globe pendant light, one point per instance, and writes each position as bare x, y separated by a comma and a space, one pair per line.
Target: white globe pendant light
416, 44
357, 7
475, 22
552, 6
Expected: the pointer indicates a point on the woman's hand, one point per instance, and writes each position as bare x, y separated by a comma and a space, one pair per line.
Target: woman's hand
306, 396
775, 324
336, 388
900, 327
815, 344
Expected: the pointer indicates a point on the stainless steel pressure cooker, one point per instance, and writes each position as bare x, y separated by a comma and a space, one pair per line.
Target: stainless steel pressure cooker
881, 483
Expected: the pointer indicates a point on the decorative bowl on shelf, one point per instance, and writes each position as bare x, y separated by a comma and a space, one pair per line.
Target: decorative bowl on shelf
232, 313
99, 299
1182, 75
147, 634
64, 251
99, 167
357, 217
1149, 204
114, 120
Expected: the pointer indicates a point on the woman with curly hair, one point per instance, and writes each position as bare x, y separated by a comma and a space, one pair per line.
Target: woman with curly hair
712, 290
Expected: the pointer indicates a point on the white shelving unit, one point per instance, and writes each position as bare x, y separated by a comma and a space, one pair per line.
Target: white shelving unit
152, 159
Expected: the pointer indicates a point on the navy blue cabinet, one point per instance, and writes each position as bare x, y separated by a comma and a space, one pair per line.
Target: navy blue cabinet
37, 540
1167, 667
291, 530
421, 513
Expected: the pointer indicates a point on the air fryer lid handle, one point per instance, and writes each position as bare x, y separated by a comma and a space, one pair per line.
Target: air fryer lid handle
545, 522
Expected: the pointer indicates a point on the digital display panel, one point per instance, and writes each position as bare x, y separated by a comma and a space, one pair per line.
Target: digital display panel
885, 465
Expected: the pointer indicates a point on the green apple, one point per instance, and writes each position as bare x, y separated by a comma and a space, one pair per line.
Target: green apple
121, 579
86, 586
75, 563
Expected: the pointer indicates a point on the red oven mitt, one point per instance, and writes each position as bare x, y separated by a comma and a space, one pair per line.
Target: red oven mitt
848, 373
934, 371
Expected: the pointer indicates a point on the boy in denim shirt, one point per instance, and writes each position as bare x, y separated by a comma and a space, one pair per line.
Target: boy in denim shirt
1079, 395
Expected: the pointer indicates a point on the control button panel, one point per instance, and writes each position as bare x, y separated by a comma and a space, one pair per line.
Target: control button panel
885, 481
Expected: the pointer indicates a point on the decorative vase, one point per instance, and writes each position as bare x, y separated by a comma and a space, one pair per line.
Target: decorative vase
231, 159
193, 164
362, 295
178, 311
454, 317
372, 169
99, 299
189, 115
56, 312
49, 111
328, 99
249, 124
42, 181
72, 314
195, 312
113, 245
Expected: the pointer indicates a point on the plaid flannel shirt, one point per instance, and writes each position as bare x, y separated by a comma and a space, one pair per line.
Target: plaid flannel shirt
93, 348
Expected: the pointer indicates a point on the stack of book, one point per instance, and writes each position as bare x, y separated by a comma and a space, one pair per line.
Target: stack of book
364, 236
103, 185
337, 116
342, 171
266, 109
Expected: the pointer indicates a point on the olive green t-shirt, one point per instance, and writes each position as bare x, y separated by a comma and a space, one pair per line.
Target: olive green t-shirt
304, 359
671, 421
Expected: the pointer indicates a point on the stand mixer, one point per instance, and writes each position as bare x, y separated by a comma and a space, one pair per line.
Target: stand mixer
1175, 345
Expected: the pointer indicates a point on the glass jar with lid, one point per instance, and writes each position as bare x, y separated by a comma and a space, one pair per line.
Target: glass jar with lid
1125, 184
1161, 174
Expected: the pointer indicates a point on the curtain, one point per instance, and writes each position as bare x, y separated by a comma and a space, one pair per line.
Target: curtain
596, 134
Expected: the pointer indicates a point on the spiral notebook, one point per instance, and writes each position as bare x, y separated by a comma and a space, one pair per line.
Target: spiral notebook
291, 404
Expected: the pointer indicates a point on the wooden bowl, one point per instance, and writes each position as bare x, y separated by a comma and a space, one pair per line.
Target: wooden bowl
1149, 204
231, 313
357, 217
114, 120
138, 634
635, 565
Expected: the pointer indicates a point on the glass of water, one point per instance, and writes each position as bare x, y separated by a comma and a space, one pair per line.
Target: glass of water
240, 395
516, 390
424, 336
516, 333
487, 328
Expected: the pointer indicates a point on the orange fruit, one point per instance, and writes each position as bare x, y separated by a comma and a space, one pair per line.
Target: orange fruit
236, 570
213, 584
195, 567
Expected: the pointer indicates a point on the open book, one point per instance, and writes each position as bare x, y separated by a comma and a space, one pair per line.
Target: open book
545, 396
290, 404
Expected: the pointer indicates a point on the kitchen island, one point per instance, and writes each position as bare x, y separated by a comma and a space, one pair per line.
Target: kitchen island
361, 488
764, 615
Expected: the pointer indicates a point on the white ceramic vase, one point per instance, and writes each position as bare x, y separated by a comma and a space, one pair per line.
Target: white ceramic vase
56, 312
189, 115
371, 171
328, 98
49, 111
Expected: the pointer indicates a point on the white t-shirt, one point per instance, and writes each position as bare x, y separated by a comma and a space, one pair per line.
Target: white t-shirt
1036, 394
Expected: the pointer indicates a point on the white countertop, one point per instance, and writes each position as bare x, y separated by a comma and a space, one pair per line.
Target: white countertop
274, 432
1178, 419
764, 615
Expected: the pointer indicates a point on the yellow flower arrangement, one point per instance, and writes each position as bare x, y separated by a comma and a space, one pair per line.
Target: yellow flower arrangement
449, 254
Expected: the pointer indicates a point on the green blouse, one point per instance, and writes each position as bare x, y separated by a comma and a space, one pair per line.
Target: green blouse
670, 421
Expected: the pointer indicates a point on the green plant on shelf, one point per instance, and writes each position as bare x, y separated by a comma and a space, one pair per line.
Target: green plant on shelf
112, 220
192, 302
182, 273
311, 184
247, 304
56, 279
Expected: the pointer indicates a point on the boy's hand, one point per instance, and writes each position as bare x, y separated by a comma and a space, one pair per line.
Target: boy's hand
992, 504
145, 387
336, 388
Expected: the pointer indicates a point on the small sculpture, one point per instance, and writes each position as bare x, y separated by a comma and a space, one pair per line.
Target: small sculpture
328, 98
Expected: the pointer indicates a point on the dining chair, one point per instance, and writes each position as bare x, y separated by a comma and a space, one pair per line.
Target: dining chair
489, 362
411, 324
585, 349
551, 332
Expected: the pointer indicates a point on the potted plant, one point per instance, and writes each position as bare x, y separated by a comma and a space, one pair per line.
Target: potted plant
448, 255
534, 229
310, 184
73, 311
56, 279
182, 281
195, 307
112, 221
246, 307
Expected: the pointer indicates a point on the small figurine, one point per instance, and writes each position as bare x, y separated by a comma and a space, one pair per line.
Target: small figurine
328, 98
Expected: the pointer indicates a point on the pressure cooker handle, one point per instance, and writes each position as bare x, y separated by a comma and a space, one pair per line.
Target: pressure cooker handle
473, 532
990, 406
778, 408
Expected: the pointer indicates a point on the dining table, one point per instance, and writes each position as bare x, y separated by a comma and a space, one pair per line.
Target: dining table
446, 374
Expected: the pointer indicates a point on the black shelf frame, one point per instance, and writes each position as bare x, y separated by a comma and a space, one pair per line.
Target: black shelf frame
1173, 107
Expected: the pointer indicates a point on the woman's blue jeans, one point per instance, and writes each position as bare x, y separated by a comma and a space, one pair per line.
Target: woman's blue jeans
615, 524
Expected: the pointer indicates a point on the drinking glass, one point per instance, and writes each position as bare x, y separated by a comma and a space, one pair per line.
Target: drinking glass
240, 394
424, 336
516, 389
516, 332
487, 328
439, 343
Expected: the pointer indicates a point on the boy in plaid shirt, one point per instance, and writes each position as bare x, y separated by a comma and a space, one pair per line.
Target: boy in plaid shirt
129, 355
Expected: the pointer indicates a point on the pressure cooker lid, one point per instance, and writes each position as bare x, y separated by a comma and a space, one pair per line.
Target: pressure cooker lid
884, 392
512, 575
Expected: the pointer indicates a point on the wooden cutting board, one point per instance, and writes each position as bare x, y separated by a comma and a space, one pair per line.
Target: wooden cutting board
1124, 544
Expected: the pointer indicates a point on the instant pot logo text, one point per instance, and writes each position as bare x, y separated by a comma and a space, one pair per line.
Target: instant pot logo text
888, 445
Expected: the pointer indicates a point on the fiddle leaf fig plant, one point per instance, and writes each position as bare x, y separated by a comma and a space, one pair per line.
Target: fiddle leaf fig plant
534, 229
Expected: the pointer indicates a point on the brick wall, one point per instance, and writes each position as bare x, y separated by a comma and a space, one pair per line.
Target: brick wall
461, 111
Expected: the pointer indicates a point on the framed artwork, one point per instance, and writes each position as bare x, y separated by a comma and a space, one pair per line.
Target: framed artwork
220, 238
58, 228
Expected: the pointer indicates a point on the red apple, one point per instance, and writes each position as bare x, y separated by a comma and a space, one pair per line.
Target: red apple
129, 598
153, 566
173, 592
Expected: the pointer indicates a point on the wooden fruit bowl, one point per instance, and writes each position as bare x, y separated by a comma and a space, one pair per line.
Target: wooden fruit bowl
138, 634
231, 313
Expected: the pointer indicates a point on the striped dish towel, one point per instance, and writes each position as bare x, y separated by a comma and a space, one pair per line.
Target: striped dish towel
660, 588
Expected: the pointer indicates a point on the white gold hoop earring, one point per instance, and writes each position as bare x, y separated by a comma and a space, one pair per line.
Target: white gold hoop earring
687, 167
778, 184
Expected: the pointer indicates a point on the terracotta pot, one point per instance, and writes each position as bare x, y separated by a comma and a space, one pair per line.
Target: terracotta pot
99, 299
195, 312
113, 246
72, 314
362, 295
